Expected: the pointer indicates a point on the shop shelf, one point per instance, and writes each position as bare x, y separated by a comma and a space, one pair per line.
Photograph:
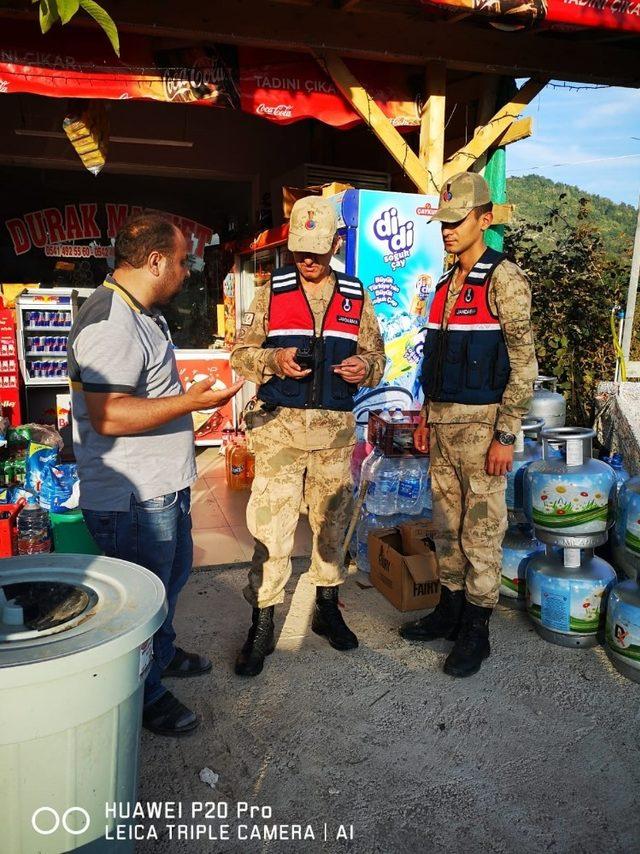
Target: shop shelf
56, 355
46, 381
60, 329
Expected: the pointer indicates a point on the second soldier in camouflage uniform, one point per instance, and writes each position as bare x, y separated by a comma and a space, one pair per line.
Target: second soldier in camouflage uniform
478, 372
309, 340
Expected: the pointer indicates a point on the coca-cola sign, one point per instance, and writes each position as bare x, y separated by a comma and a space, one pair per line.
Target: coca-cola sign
276, 111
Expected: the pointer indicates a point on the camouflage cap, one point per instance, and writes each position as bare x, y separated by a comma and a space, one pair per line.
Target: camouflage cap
460, 195
312, 226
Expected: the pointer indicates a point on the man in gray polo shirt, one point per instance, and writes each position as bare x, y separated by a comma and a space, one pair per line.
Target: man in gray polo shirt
133, 435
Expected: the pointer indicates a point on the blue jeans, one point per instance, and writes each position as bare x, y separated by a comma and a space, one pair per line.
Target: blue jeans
157, 535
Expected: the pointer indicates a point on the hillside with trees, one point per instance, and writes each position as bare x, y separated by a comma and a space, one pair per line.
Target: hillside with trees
576, 250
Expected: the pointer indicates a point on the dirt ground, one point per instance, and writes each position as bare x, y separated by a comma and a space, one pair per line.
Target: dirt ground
537, 753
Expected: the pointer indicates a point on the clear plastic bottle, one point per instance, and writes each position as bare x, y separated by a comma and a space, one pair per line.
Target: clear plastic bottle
367, 523
384, 501
34, 531
410, 485
367, 472
361, 451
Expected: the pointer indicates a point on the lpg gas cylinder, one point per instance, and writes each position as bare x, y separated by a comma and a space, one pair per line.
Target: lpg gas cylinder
518, 546
547, 403
566, 594
622, 635
625, 536
527, 449
572, 495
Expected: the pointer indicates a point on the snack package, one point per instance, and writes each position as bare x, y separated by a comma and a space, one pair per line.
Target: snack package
39, 459
60, 489
5, 496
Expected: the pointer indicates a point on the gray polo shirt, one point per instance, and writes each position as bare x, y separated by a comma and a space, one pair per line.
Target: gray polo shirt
117, 345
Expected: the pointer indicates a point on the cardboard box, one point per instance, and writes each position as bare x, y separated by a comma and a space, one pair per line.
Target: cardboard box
409, 581
290, 195
417, 537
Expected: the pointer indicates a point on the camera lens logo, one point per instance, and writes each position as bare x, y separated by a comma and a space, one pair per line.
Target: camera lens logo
46, 821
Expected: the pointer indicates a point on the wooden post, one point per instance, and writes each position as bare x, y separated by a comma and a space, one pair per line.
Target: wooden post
487, 104
370, 112
432, 125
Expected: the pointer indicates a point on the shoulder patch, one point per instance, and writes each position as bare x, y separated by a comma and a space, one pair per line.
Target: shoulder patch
248, 318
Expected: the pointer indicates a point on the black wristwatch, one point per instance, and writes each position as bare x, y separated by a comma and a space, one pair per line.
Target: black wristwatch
505, 438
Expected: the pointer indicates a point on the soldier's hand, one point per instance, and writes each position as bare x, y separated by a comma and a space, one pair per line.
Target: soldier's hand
287, 365
352, 370
202, 396
421, 437
499, 458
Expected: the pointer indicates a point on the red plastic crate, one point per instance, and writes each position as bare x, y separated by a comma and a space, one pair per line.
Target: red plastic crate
391, 438
9, 528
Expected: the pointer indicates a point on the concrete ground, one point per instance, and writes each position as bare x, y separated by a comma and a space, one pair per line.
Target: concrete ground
539, 752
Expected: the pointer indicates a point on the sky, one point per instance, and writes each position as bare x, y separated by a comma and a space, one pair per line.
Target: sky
571, 127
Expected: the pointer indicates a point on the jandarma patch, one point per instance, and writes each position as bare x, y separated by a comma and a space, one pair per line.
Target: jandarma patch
247, 318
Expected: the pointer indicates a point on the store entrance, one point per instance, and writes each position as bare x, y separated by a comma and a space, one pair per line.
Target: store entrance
59, 227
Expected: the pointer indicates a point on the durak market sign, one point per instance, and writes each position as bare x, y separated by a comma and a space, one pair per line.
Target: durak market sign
603, 14
87, 230
279, 86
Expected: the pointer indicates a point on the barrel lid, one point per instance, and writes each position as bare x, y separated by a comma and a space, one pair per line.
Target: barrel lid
72, 604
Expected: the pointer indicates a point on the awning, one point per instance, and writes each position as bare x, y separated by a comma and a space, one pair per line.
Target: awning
621, 15
279, 86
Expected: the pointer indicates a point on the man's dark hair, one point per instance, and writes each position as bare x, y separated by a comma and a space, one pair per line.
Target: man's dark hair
483, 209
140, 236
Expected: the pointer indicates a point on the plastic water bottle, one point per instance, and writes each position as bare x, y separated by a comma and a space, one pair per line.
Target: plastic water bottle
410, 486
367, 472
34, 532
367, 523
622, 475
361, 451
384, 501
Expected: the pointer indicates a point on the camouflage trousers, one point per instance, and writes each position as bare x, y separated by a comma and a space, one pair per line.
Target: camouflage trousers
285, 476
469, 511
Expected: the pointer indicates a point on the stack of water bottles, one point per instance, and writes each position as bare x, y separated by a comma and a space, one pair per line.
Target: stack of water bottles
399, 483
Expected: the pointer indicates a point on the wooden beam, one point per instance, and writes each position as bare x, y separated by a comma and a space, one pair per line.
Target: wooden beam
487, 135
520, 129
347, 5
370, 112
394, 34
503, 214
486, 108
432, 123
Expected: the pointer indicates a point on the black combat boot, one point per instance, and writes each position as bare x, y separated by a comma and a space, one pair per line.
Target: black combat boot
443, 622
472, 644
328, 622
260, 642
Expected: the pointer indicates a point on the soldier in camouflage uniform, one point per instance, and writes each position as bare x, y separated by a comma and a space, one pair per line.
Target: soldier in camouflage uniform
478, 372
309, 340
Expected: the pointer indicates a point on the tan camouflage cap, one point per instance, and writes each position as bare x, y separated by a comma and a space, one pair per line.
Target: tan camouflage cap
461, 194
312, 225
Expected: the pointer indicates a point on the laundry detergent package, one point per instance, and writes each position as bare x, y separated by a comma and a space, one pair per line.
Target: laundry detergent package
60, 490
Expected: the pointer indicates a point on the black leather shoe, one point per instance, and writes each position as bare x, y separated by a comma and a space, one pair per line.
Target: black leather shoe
472, 646
260, 643
168, 716
328, 621
185, 664
443, 622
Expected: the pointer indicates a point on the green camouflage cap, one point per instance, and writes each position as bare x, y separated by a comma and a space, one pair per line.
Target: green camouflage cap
460, 195
312, 225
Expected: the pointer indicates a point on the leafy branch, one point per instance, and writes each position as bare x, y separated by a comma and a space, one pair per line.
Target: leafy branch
51, 11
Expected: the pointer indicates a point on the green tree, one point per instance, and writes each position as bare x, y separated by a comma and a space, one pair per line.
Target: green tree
574, 286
